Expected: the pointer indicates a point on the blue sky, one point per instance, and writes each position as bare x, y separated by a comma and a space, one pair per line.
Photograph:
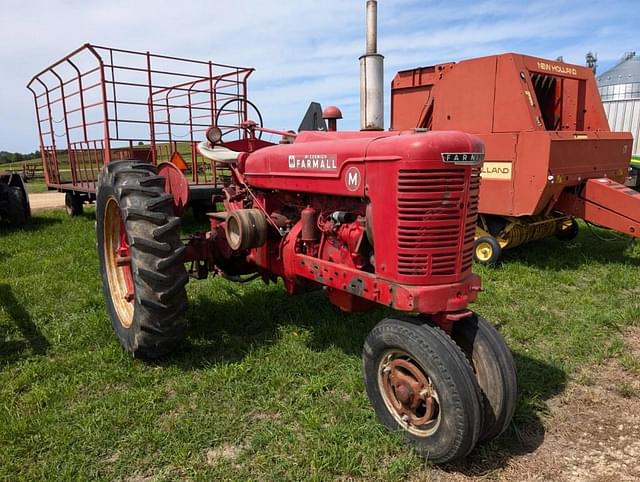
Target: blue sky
302, 50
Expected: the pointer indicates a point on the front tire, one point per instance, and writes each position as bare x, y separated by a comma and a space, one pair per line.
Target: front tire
140, 253
495, 372
420, 383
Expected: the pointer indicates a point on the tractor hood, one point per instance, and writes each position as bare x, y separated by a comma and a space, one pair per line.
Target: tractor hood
335, 162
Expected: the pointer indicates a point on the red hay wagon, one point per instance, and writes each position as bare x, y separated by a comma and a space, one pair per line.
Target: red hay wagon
99, 104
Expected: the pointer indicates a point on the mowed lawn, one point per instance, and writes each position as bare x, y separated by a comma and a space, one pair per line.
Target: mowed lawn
267, 387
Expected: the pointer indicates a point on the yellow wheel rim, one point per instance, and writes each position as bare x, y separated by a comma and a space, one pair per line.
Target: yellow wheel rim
484, 251
117, 265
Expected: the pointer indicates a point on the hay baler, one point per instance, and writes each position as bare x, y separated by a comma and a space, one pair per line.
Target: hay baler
550, 156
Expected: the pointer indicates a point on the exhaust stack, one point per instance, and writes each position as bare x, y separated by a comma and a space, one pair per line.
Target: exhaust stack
372, 76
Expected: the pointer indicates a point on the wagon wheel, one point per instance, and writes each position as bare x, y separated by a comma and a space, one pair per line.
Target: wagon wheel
420, 383
73, 204
229, 129
140, 253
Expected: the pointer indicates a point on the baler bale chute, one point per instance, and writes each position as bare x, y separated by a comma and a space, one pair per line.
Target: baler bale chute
370, 217
14, 200
550, 155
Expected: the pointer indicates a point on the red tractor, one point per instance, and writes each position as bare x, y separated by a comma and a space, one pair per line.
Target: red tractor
371, 217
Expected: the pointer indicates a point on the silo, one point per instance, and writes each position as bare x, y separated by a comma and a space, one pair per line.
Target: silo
620, 92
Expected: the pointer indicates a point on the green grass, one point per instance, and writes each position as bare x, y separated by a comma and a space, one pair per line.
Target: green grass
34, 187
272, 381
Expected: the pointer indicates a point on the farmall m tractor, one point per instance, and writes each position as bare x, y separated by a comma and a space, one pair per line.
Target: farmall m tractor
372, 217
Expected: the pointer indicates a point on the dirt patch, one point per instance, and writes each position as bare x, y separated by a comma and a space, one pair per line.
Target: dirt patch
140, 478
269, 416
632, 342
227, 452
592, 432
46, 200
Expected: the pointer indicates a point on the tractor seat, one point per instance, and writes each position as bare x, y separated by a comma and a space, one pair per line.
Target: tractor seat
218, 153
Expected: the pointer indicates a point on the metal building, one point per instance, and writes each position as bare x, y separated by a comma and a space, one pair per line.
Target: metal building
620, 92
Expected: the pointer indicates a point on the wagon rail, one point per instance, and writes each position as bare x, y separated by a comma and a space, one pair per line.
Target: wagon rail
98, 104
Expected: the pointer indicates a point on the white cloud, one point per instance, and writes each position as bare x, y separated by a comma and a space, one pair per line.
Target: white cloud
302, 50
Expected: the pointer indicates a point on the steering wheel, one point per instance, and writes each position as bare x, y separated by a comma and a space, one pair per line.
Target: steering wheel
228, 129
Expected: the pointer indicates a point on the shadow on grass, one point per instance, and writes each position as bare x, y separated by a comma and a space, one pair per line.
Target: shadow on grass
537, 382
593, 245
33, 339
34, 224
223, 332
88, 213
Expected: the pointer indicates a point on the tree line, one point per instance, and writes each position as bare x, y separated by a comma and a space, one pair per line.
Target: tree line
9, 157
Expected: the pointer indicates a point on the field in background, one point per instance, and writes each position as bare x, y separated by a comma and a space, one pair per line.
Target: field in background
36, 184
268, 387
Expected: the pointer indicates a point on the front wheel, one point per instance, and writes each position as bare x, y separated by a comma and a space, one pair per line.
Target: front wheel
141, 259
495, 371
420, 383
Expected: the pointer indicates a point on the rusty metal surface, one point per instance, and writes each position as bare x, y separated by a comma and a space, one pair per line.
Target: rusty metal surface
408, 390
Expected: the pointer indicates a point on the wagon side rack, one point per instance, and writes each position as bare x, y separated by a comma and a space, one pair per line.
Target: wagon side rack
100, 104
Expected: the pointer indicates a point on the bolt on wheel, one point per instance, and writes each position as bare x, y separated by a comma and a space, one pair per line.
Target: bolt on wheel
409, 393
421, 384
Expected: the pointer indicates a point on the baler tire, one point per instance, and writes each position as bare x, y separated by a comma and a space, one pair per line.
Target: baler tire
17, 207
157, 324
73, 204
455, 431
489, 249
495, 371
570, 233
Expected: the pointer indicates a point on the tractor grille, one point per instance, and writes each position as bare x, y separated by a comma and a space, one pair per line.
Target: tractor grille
430, 216
471, 220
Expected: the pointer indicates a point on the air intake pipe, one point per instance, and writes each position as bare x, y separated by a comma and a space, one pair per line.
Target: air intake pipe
372, 76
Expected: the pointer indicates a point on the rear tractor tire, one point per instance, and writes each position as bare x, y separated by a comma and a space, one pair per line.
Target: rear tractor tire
73, 204
421, 384
141, 259
495, 372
